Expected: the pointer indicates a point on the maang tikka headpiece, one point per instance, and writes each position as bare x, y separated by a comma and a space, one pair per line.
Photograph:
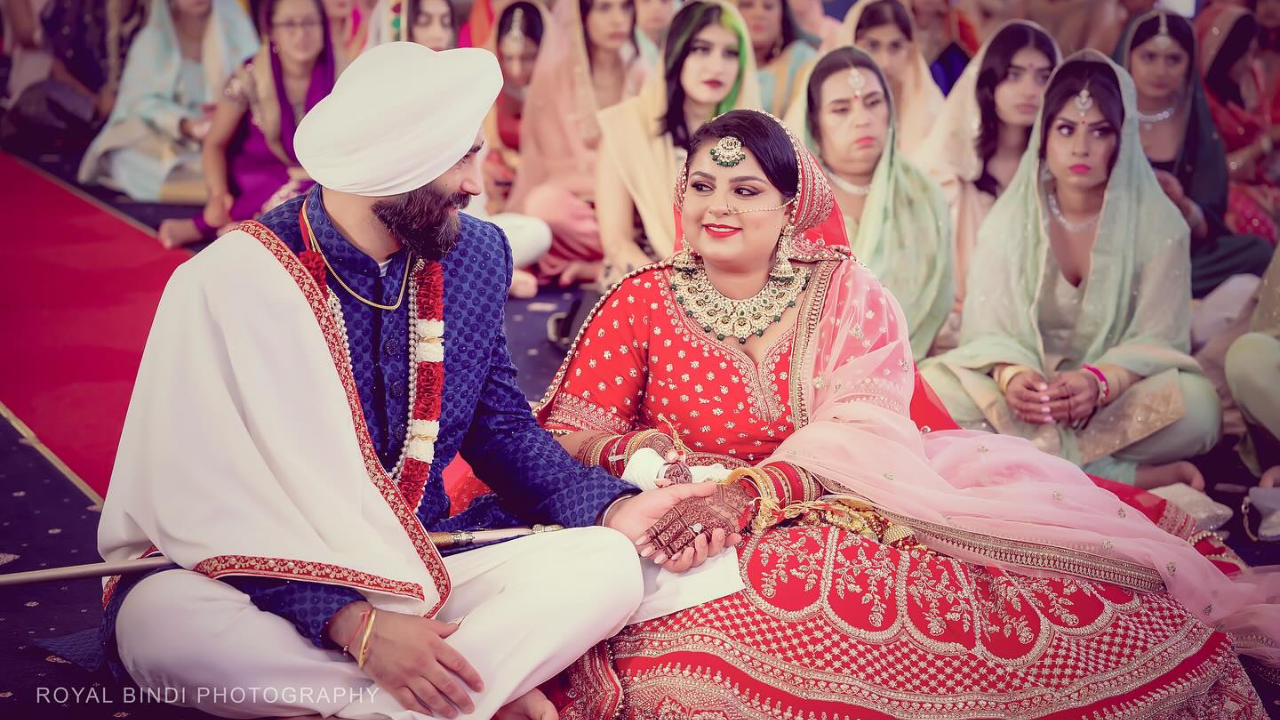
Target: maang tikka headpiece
1083, 102
728, 152
516, 31
1163, 39
857, 81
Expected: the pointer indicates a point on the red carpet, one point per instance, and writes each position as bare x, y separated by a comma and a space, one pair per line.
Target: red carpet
78, 290
79, 287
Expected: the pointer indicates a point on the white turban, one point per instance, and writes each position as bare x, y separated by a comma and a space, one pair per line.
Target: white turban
398, 118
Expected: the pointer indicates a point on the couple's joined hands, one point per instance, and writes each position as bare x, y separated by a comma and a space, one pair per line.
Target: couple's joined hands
682, 525
678, 527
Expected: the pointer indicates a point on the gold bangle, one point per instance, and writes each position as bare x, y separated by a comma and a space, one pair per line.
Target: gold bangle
585, 450
597, 448
363, 654
809, 482
635, 441
780, 480
767, 500
1006, 374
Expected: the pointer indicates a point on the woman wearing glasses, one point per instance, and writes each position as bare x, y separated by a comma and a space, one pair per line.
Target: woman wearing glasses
249, 165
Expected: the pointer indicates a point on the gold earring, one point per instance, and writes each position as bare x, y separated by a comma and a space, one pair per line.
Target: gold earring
783, 270
684, 261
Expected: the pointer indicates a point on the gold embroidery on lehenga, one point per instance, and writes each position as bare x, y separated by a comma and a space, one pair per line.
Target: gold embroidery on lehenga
1217, 689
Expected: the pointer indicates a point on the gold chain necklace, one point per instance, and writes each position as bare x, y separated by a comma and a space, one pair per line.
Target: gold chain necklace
725, 317
404, 282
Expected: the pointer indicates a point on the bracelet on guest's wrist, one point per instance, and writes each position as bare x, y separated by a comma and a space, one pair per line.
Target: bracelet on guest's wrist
1104, 388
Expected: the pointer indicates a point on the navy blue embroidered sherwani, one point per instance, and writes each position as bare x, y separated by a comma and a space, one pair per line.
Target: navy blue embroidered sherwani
484, 416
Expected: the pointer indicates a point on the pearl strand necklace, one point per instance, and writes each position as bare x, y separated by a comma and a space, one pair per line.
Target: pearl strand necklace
1064, 222
1149, 121
335, 308
845, 185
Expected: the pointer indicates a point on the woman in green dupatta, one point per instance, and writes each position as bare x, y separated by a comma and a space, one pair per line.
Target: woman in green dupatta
896, 217
1253, 372
1077, 324
1158, 48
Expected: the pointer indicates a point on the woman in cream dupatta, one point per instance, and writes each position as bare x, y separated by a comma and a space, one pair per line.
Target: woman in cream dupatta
900, 228
1122, 335
640, 158
951, 154
917, 96
144, 149
559, 137
1040, 593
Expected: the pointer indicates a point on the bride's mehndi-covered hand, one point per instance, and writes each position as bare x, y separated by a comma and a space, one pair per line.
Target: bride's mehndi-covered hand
675, 472
698, 527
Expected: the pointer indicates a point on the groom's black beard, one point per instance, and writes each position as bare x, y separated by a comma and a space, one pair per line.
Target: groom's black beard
422, 220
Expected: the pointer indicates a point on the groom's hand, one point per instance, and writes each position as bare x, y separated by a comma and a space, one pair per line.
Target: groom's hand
408, 657
637, 515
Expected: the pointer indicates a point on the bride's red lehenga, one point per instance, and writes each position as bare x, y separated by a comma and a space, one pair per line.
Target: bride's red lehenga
834, 624
839, 623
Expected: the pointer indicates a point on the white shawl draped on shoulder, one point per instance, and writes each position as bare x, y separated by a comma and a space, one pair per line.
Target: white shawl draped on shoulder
245, 451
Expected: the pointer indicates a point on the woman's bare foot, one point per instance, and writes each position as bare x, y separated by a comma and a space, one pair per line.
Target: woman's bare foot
578, 272
532, 705
523, 285
1270, 478
176, 233
1154, 476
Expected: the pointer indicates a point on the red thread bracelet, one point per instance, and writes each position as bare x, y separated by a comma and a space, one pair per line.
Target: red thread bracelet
364, 618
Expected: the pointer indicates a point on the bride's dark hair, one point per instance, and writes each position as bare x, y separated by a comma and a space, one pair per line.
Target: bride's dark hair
763, 136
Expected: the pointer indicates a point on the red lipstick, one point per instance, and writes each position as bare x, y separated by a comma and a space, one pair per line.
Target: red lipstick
721, 232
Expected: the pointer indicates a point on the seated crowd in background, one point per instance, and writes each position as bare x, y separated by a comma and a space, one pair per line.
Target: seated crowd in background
1048, 287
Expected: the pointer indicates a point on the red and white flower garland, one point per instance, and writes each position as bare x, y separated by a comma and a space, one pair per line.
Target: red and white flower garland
426, 333
426, 367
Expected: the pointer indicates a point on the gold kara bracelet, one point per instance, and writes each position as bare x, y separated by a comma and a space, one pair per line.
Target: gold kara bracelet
363, 653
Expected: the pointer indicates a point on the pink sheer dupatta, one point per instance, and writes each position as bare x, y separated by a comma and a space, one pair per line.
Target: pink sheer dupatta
986, 498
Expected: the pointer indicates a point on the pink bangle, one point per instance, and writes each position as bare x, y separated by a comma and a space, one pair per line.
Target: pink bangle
1103, 387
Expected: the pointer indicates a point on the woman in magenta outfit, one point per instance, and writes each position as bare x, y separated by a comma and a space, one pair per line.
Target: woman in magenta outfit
249, 164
